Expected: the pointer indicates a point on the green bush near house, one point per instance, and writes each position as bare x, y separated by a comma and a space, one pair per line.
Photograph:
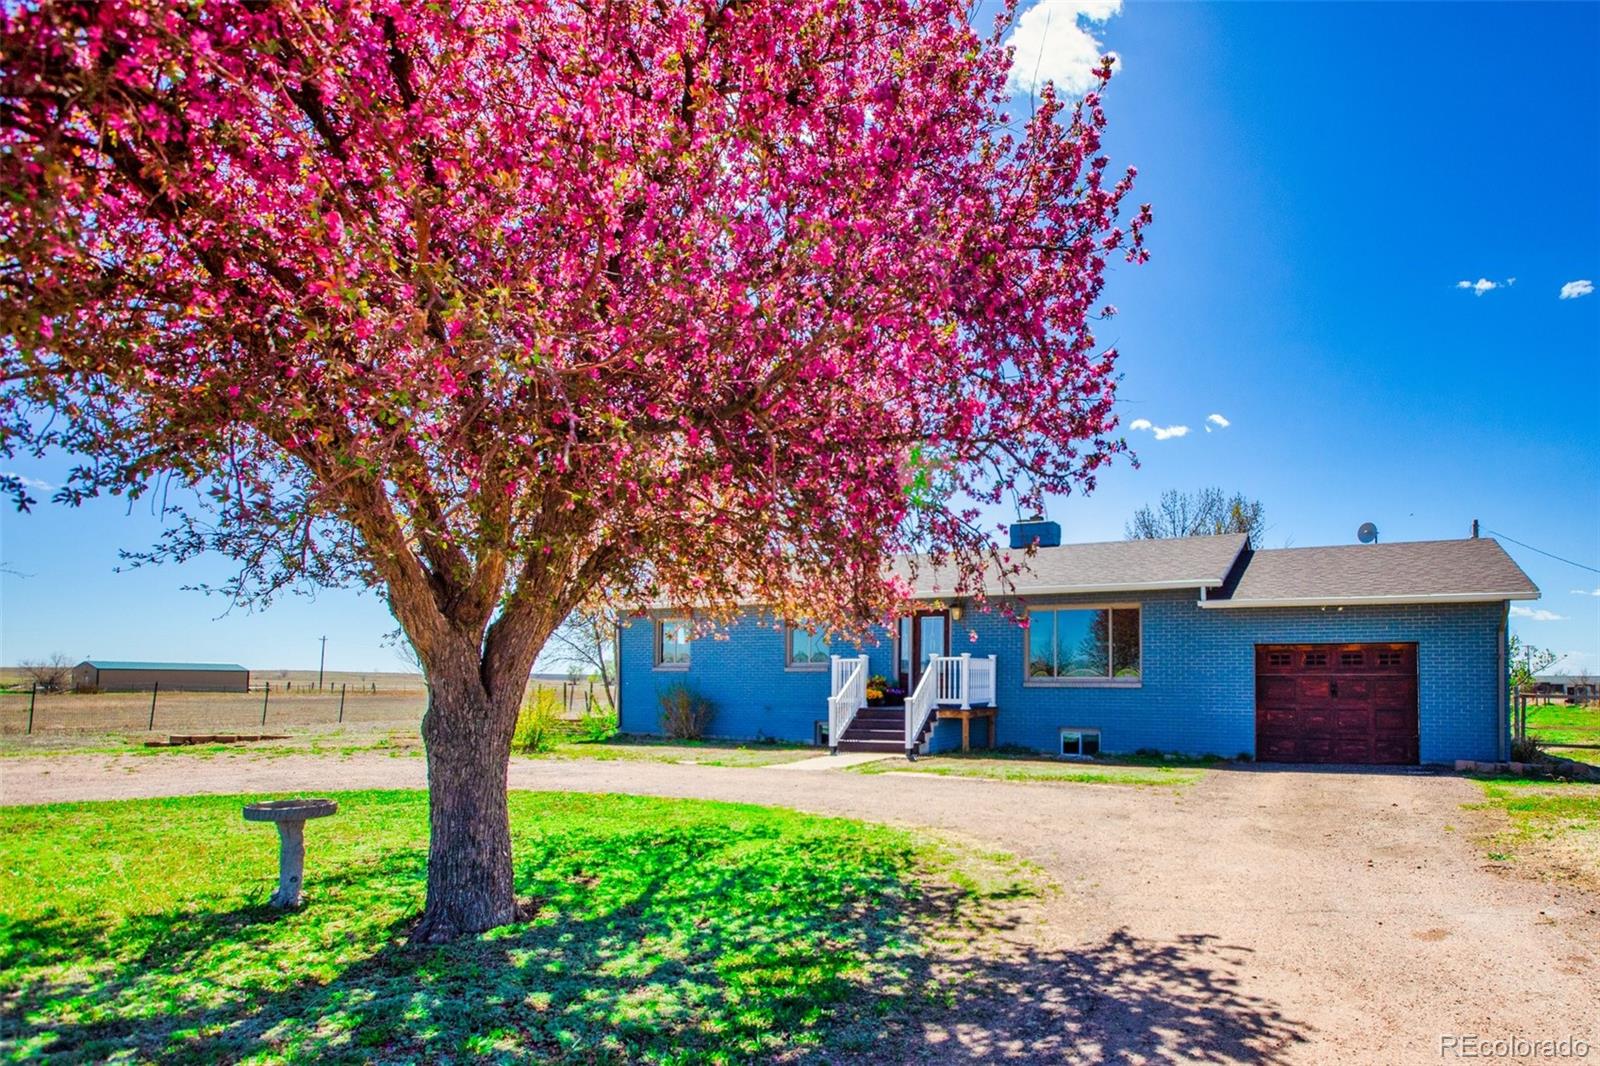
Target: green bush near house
538, 722
598, 724
685, 714
662, 931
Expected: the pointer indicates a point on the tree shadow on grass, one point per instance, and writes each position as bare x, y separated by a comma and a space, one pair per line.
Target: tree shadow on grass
661, 945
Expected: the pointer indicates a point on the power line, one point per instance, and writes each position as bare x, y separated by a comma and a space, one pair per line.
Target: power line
1541, 551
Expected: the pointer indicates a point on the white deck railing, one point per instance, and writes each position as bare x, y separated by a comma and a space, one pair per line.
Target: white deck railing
963, 680
919, 707
847, 694
948, 681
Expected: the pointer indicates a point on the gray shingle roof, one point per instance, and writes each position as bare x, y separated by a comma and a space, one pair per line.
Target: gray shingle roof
1189, 562
1424, 571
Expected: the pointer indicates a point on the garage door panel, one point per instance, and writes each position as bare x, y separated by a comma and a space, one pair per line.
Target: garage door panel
1313, 688
1394, 750
1350, 703
1393, 720
1346, 689
1316, 719
1285, 720
1352, 749
1394, 692
1348, 720
1278, 690
1278, 749
1314, 748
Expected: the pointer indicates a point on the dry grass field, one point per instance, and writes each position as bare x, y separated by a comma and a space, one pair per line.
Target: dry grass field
293, 700
203, 712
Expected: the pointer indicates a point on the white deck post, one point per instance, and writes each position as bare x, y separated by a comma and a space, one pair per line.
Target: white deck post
994, 689
966, 681
861, 690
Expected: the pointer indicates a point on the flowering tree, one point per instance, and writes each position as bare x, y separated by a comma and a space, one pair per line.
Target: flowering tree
501, 307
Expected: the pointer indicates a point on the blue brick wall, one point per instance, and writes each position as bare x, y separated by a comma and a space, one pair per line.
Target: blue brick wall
741, 671
1197, 693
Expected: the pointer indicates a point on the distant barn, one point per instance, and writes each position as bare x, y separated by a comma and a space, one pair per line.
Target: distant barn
108, 676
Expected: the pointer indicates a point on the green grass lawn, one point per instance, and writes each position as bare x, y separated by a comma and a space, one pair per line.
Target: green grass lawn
1555, 723
700, 752
405, 743
666, 931
1588, 755
1552, 827
1018, 767
299, 741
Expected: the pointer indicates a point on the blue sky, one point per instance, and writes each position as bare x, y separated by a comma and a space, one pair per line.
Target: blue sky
1323, 175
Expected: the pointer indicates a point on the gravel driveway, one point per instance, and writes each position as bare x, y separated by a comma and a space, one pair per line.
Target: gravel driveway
1260, 915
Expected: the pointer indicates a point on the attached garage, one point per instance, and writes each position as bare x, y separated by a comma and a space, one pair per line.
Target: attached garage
1337, 703
1375, 653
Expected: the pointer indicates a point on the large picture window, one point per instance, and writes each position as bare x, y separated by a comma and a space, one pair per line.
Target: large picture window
672, 643
805, 651
1066, 644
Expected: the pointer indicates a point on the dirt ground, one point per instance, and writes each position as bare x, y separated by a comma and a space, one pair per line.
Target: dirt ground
1259, 915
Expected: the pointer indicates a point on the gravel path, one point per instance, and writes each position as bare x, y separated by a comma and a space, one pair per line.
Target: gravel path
1256, 916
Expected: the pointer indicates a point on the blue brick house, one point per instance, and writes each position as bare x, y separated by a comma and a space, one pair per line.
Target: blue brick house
1377, 653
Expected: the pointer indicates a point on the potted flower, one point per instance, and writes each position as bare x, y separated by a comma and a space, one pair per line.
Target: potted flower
876, 685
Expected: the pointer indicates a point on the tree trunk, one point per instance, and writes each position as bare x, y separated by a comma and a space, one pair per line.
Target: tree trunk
468, 735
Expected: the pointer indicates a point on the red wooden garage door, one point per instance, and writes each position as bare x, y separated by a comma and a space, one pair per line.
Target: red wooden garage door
1349, 703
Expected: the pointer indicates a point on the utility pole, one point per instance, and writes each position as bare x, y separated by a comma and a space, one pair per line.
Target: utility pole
323, 661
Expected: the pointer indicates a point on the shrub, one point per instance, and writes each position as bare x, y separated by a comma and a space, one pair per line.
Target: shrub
1525, 749
598, 723
684, 713
537, 722
50, 675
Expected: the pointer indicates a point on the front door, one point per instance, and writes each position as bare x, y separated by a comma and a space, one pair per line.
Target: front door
923, 634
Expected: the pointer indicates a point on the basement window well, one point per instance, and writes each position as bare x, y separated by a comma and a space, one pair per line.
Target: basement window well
1080, 743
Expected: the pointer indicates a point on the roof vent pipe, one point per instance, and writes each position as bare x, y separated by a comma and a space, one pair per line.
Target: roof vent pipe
1474, 529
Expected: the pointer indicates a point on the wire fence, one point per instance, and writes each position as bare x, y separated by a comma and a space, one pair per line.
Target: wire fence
266, 705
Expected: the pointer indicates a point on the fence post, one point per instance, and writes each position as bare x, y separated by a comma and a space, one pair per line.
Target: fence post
153, 690
266, 694
341, 703
33, 695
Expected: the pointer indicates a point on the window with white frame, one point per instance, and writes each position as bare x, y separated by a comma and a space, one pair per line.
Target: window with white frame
1080, 742
672, 643
1082, 644
804, 650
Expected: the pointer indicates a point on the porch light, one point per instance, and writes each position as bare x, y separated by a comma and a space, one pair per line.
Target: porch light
955, 612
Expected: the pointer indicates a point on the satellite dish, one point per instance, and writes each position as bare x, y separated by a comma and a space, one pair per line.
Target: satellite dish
1368, 533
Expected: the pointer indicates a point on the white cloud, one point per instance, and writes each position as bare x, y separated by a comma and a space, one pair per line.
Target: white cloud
1054, 40
1586, 592
1574, 289
1483, 285
1536, 614
1144, 425
1218, 421
30, 482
